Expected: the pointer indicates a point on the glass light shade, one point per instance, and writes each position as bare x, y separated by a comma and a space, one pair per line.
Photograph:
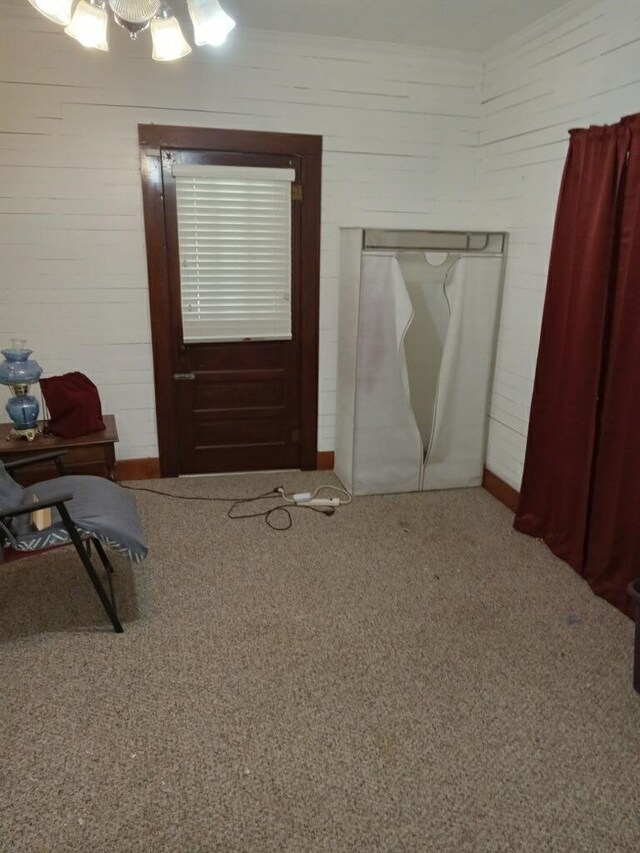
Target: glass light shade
168, 41
58, 11
89, 25
18, 368
211, 24
135, 11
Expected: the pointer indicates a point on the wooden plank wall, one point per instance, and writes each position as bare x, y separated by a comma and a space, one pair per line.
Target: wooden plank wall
577, 67
400, 129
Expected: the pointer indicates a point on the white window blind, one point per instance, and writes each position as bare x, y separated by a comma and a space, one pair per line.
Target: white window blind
234, 236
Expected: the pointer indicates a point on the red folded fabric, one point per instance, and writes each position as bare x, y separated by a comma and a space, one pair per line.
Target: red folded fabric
74, 405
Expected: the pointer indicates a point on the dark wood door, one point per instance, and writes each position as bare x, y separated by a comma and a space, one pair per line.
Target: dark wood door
235, 405
238, 403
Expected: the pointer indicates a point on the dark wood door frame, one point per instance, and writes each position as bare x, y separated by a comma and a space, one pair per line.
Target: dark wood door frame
153, 139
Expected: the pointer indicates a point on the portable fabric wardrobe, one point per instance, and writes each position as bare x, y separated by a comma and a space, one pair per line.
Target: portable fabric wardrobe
418, 314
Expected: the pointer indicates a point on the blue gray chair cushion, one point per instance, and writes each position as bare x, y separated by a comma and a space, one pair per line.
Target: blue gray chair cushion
99, 508
10, 492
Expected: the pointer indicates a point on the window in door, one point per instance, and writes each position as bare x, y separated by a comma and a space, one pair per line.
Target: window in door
234, 237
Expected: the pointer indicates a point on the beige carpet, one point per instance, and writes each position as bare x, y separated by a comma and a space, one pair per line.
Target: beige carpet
409, 675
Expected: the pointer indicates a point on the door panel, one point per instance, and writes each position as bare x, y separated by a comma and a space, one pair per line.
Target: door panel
241, 405
265, 390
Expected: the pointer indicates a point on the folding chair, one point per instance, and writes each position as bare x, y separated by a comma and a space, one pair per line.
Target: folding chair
85, 510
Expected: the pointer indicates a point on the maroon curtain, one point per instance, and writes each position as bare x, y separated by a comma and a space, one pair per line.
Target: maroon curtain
556, 487
613, 544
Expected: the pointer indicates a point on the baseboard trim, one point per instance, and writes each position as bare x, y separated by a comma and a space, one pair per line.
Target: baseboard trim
138, 469
500, 490
149, 469
324, 460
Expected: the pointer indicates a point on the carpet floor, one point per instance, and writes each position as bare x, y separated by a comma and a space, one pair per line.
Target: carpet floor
407, 675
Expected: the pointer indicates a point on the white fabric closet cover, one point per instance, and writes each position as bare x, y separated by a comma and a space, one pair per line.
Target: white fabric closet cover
387, 447
455, 456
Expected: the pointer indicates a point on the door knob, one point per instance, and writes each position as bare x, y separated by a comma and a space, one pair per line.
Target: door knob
184, 376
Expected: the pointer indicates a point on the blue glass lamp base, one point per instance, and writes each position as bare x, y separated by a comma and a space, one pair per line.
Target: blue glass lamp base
23, 411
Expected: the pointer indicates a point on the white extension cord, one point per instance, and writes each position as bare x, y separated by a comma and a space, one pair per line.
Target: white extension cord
321, 502
310, 499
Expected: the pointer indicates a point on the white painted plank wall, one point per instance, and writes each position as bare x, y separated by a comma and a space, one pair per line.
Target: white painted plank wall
400, 128
576, 67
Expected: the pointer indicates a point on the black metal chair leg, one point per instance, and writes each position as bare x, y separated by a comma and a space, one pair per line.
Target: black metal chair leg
107, 603
103, 557
108, 569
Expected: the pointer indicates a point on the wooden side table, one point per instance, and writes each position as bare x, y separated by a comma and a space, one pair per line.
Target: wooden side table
87, 454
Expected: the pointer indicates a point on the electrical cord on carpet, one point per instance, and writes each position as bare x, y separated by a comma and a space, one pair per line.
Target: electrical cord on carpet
284, 509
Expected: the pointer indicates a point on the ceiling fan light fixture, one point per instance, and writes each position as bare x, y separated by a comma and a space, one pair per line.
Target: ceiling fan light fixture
211, 24
89, 24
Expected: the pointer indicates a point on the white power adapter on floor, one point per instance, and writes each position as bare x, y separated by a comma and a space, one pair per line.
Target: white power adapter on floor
310, 499
307, 499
